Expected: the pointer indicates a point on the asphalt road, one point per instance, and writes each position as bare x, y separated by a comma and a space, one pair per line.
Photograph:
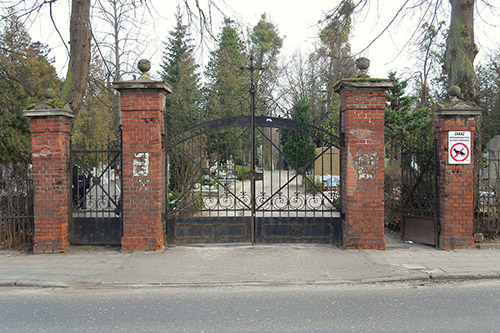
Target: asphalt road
431, 307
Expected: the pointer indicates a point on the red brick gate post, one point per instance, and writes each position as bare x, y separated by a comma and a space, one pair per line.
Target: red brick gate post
454, 132
363, 102
50, 129
143, 158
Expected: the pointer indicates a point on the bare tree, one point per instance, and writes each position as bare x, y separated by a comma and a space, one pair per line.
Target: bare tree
80, 38
461, 49
117, 28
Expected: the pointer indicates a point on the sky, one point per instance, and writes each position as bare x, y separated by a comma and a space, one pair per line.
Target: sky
296, 20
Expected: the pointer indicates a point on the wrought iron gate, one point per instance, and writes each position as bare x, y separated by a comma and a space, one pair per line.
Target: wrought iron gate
419, 200
218, 194
96, 195
16, 205
487, 193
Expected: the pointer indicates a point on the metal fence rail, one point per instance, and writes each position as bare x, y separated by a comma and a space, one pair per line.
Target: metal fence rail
16, 205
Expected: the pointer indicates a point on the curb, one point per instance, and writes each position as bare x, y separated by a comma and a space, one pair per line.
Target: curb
463, 276
32, 284
135, 285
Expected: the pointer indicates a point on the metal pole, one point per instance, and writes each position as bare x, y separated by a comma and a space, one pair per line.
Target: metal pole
252, 162
252, 69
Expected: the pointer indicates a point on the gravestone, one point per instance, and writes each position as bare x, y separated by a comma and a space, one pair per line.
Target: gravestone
492, 171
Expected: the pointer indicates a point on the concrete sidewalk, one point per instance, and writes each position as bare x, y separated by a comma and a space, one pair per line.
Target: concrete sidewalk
245, 265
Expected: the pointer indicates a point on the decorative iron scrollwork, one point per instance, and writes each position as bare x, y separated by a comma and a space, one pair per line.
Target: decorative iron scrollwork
206, 231
326, 201
96, 184
296, 230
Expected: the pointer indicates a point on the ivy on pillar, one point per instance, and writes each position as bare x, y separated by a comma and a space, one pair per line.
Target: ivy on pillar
363, 102
454, 128
144, 161
50, 129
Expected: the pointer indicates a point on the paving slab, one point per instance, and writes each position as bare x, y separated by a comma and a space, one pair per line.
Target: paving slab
252, 265
245, 265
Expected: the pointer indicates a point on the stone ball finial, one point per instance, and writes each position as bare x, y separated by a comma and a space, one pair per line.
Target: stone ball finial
363, 64
454, 92
144, 66
50, 94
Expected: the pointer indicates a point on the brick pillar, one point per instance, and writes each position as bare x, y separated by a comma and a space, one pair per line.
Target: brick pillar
362, 161
50, 143
454, 132
142, 107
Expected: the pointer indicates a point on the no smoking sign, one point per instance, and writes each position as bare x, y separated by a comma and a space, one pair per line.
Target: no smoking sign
459, 147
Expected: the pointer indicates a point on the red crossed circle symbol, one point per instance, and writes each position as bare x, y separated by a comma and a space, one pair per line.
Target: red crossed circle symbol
459, 152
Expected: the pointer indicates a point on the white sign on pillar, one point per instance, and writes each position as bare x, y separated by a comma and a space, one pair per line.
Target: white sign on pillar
140, 165
459, 147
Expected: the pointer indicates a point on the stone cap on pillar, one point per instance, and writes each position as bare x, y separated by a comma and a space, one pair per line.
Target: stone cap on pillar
363, 80
49, 108
456, 107
363, 84
144, 82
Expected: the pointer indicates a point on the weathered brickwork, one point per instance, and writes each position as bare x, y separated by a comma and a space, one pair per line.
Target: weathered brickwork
362, 162
144, 182
456, 194
50, 139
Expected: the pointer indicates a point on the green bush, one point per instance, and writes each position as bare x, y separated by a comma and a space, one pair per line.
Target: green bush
392, 198
313, 186
298, 146
240, 169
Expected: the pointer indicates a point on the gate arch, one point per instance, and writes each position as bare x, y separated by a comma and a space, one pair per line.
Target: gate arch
210, 189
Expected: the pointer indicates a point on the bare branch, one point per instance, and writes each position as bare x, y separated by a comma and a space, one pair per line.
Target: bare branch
55, 26
385, 29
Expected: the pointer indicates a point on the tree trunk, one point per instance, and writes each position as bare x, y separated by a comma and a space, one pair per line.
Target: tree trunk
461, 50
79, 58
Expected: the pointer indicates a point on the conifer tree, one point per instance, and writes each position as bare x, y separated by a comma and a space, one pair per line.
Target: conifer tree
179, 69
25, 75
489, 80
265, 46
297, 145
404, 119
227, 89
334, 62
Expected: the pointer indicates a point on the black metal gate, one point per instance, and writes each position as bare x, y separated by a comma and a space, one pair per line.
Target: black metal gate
16, 205
96, 195
487, 193
219, 194
419, 192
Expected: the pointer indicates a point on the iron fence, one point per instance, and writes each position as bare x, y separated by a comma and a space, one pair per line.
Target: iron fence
16, 205
487, 194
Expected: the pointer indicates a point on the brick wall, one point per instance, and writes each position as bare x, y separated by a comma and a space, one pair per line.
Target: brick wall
50, 139
362, 162
143, 169
456, 195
